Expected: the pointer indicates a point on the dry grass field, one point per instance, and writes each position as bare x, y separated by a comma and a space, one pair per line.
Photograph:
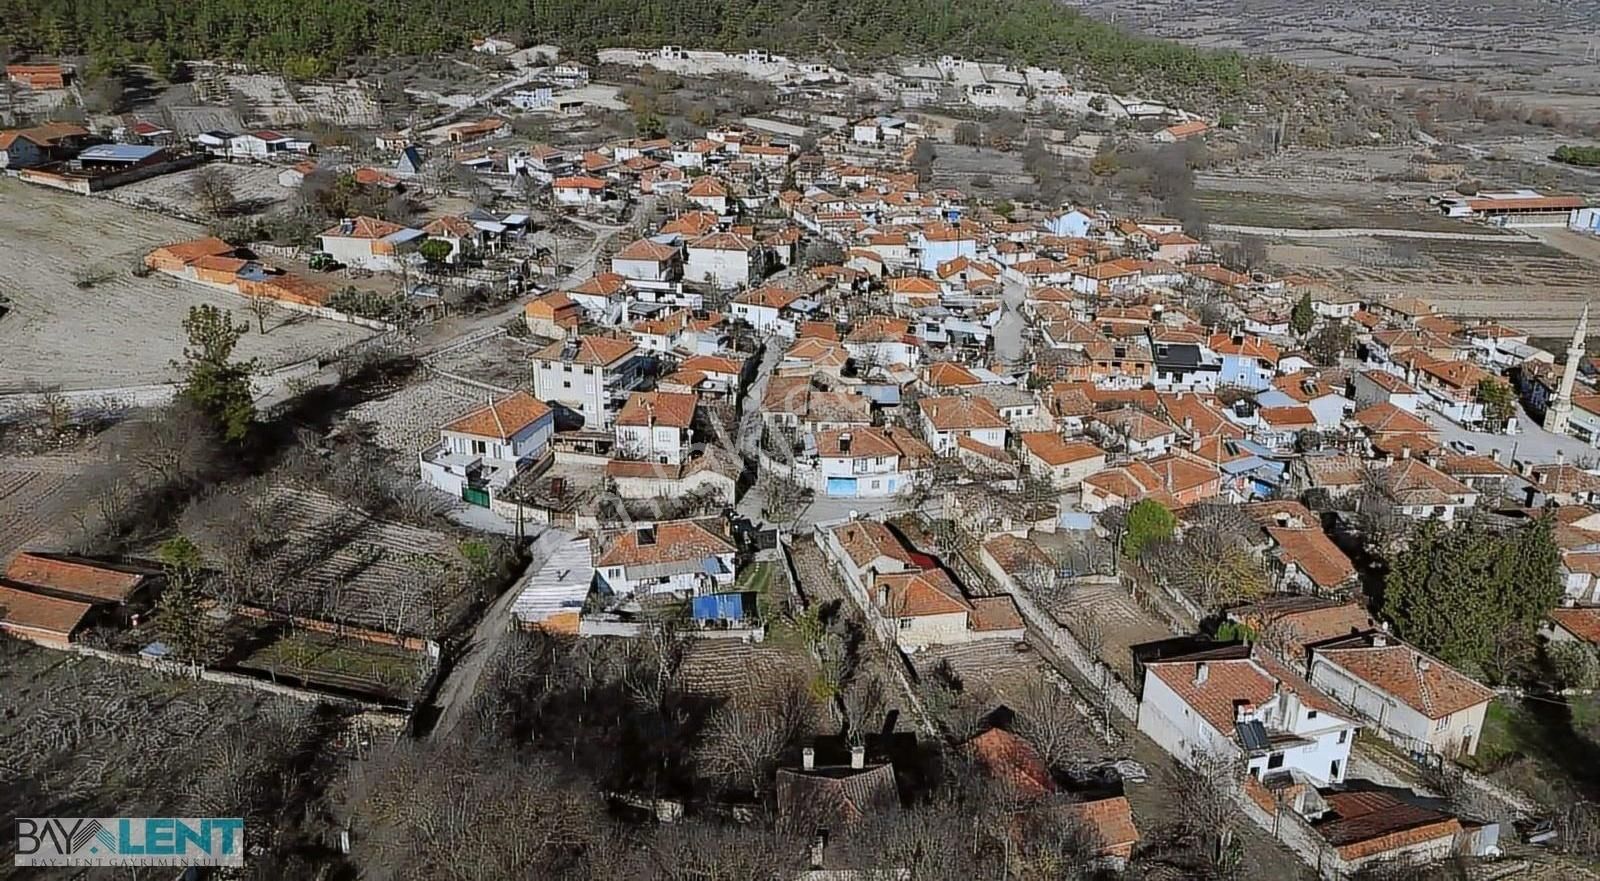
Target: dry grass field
122, 330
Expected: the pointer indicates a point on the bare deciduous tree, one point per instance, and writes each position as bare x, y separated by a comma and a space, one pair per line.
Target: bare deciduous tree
1048, 720
212, 188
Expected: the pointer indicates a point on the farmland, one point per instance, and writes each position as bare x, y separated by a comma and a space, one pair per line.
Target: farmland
339, 563
121, 330
85, 737
1538, 286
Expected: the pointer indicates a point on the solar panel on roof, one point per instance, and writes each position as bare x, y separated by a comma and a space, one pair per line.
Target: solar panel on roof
1252, 735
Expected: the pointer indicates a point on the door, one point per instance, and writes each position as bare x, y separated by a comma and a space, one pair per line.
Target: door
842, 487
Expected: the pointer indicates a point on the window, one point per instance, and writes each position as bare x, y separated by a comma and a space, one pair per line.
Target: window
589, 370
566, 383
905, 623
479, 447
1442, 724
1333, 770
1311, 714
1274, 761
1344, 736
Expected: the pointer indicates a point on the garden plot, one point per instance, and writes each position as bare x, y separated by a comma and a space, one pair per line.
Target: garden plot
338, 563
255, 189
408, 420
33, 497
121, 330
1530, 285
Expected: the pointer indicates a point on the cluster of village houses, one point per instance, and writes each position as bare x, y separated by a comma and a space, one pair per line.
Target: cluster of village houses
913, 342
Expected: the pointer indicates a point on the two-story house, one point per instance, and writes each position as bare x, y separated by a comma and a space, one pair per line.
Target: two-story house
480, 453
1247, 708
683, 557
656, 427
590, 375
867, 462
1248, 362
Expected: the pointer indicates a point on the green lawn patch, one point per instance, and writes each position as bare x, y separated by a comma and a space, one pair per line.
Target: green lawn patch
320, 657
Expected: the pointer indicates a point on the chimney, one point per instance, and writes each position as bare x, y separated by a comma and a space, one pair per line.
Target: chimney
1243, 710
808, 759
1289, 708
1194, 443
819, 846
1405, 451
1201, 673
1423, 664
1494, 455
858, 757
1188, 423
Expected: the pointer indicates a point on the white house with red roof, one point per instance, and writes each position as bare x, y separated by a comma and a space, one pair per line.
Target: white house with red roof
723, 259
1413, 699
479, 453
370, 243
1235, 705
579, 190
261, 144
684, 557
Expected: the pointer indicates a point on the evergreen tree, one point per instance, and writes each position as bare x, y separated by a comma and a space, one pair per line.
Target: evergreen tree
1303, 316
217, 385
180, 613
1462, 593
1149, 522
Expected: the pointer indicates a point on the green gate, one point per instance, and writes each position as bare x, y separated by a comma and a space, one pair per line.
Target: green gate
475, 496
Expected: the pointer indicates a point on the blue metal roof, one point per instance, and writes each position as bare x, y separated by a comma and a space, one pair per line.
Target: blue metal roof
118, 153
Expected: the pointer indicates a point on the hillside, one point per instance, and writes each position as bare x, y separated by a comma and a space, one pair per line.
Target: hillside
308, 37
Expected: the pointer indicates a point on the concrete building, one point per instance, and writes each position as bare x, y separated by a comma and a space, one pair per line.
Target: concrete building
590, 375
1247, 709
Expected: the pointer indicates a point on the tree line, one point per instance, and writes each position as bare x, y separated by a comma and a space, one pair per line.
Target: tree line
1588, 156
306, 38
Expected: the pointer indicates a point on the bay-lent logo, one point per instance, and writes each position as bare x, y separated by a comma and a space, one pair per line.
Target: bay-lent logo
130, 841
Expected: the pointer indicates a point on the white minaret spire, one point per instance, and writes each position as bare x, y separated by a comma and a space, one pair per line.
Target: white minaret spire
1556, 415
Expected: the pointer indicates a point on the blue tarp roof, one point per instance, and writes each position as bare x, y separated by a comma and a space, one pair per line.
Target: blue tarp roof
724, 607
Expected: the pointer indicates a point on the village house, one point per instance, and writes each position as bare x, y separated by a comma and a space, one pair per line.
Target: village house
1133, 431
40, 145
552, 315
39, 76
724, 259
864, 462
1245, 707
589, 375
681, 557
1064, 463
656, 427
370, 243
945, 419
648, 260
1419, 702
480, 453
579, 190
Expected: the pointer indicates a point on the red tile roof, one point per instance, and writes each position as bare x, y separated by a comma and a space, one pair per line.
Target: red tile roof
83, 579
501, 419
675, 540
1425, 684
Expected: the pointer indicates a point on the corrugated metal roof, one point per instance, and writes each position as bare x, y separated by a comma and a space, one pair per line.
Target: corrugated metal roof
118, 153
561, 584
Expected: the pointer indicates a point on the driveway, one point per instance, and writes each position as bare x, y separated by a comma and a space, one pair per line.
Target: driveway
454, 698
1534, 444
